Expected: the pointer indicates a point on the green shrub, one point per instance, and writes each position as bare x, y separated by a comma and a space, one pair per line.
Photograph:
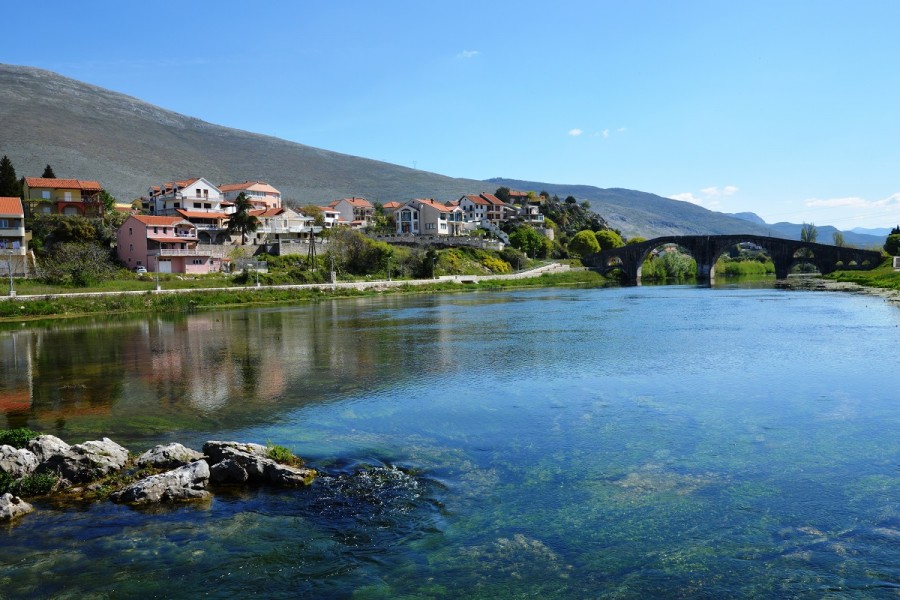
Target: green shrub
17, 438
282, 455
31, 485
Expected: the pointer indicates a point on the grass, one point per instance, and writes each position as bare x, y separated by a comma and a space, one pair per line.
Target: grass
283, 455
55, 306
882, 276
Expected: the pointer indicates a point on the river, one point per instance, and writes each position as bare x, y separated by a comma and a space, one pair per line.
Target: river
668, 441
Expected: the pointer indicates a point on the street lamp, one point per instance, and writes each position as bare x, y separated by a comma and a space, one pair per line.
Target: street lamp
389, 268
9, 254
434, 267
157, 272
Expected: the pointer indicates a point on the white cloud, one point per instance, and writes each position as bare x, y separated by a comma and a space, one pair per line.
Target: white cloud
716, 192
575, 132
687, 197
606, 133
853, 202
621, 130
468, 54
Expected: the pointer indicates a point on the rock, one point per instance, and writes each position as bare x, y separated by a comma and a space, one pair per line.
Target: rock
168, 456
45, 446
12, 507
17, 462
235, 462
184, 483
87, 461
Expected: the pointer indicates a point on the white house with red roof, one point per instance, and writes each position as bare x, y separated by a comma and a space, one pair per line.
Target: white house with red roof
13, 238
426, 216
282, 225
261, 194
357, 212
74, 197
485, 206
164, 243
195, 194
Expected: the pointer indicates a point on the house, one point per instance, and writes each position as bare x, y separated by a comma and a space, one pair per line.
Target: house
195, 194
388, 208
428, 217
51, 196
13, 238
262, 195
196, 200
167, 244
485, 206
281, 224
358, 212
332, 217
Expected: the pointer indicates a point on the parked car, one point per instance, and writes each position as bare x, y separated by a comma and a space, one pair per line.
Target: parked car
140, 270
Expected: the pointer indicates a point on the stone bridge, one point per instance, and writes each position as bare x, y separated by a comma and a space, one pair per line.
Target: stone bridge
706, 249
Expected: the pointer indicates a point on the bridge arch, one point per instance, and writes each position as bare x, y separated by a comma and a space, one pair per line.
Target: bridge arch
706, 249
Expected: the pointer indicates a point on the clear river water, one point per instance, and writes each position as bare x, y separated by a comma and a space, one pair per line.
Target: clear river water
648, 442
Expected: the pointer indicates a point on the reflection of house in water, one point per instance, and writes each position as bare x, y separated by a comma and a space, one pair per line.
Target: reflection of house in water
15, 385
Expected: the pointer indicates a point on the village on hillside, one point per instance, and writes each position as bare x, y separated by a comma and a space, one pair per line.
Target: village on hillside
193, 226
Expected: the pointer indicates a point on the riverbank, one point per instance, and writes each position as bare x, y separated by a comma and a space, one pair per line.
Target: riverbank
69, 305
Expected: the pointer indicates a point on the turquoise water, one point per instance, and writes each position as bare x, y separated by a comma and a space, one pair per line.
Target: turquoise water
579, 443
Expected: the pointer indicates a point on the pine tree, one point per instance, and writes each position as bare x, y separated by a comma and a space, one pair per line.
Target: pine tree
48, 173
9, 184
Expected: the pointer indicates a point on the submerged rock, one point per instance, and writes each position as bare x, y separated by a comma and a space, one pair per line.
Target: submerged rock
82, 462
167, 456
13, 507
17, 462
235, 462
184, 483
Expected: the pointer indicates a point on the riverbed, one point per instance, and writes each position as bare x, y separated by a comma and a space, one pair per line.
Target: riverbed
657, 441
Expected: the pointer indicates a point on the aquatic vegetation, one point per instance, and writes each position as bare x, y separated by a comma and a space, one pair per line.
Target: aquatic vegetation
283, 455
17, 438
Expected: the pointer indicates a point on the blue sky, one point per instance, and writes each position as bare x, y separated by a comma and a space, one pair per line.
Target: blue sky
788, 109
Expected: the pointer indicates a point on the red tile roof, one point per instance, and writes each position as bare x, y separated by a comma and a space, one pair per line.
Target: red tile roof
156, 220
354, 201
440, 206
11, 206
267, 212
66, 184
261, 186
199, 214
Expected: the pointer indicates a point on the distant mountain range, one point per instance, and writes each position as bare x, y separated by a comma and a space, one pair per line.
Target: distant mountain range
88, 132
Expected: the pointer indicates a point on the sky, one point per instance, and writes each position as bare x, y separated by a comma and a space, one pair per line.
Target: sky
788, 109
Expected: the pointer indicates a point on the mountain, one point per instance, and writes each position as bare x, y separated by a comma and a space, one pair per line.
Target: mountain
88, 132
879, 231
749, 216
826, 235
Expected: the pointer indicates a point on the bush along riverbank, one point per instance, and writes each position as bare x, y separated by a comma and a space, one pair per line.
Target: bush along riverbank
34, 465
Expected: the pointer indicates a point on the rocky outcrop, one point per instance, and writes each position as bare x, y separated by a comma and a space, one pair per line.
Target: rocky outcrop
235, 462
13, 507
184, 483
168, 456
17, 462
45, 446
81, 462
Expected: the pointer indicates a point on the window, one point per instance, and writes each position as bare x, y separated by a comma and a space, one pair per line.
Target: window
206, 193
198, 192
197, 261
198, 205
131, 247
4, 224
130, 232
45, 194
429, 225
67, 196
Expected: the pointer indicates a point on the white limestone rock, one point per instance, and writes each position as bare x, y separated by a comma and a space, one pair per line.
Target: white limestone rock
184, 483
13, 507
17, 462
168, 456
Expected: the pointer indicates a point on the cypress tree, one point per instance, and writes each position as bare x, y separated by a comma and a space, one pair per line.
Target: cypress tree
48, 172
9, 184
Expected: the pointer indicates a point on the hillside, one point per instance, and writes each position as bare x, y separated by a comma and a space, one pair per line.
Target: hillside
128, 145
88, 132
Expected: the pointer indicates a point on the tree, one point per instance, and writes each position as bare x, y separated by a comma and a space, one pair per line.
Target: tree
583, 243
809, 233
315, 212
892, 244
241, 221
838, 238
502, 194
571, 200
528, 241
608, 239
636, 240
48, 172
9, 184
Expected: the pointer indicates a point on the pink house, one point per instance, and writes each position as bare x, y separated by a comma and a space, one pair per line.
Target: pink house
168, 244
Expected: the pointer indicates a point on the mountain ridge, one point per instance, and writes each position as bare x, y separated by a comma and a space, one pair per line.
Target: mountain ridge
127, 144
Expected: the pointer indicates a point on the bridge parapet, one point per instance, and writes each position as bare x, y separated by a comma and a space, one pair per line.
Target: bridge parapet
706, 249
